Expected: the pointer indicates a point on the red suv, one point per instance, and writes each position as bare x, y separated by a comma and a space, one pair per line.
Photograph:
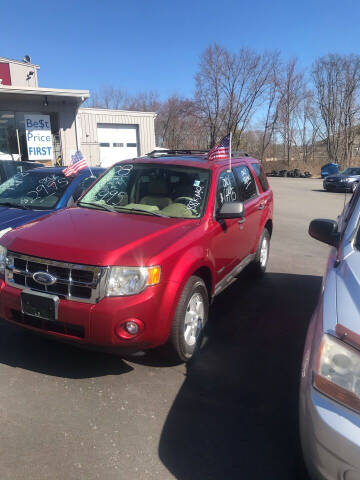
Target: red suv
136, 263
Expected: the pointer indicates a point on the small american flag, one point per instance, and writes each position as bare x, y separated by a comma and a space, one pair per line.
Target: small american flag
78, 162
222, 150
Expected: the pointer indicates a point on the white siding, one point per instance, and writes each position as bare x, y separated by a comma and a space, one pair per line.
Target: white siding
89, 118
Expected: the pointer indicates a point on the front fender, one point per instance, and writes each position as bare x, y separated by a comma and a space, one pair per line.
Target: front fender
189, 262
266, 215
184, 267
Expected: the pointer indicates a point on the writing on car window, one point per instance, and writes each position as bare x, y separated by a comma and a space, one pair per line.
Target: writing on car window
226, 191
34, 189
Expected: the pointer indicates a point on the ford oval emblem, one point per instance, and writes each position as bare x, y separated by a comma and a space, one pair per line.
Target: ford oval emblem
44, 278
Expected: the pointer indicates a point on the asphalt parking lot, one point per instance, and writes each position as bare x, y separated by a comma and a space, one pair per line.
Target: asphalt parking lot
231, 413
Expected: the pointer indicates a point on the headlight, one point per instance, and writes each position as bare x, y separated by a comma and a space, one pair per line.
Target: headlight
5, 230
131, 280
337, 373
3, 253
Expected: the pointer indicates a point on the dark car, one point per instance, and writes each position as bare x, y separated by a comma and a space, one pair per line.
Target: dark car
345, 181
31, 194
9, 168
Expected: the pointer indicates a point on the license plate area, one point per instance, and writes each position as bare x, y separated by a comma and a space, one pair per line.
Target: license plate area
40, 305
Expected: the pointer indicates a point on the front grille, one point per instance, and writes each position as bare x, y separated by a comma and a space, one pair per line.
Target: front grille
48, 326
82, 283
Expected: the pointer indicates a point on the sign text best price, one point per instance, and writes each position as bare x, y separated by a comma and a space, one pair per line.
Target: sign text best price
38, 137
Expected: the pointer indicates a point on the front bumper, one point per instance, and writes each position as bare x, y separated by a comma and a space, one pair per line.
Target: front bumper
337, 186
94, 324
330, 437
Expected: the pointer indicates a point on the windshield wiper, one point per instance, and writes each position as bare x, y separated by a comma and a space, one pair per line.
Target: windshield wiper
15, 205
98, 205
156, 213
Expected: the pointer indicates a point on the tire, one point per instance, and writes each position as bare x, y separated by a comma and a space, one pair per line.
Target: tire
187, 327
259, 264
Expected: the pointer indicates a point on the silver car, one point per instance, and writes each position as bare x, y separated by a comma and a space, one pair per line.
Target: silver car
330, 374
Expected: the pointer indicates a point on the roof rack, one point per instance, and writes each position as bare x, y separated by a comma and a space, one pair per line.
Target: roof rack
167, 152
241, 153
158, 153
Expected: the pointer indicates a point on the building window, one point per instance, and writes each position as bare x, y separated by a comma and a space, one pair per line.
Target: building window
131, 144
13, 144
118, 144
104, 144
8, 140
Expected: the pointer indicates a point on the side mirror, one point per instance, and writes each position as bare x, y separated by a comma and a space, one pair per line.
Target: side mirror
325, 231
231, 210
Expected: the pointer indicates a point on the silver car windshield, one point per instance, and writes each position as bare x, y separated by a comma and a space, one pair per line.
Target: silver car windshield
351, 171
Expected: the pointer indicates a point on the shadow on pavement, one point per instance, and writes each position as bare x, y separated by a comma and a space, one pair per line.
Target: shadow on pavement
329, 191
23, 349
235, 416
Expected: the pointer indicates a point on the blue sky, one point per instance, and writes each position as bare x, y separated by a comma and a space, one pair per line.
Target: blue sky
142, 45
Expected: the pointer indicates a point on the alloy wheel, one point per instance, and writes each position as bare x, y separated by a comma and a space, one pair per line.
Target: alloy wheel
194, 319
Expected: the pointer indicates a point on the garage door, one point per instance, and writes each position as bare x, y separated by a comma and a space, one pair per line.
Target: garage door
117, 142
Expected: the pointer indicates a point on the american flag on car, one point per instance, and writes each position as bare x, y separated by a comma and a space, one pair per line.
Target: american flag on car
222, 150
78, 162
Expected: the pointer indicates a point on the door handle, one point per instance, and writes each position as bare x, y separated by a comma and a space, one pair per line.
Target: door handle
261, 206
241, 221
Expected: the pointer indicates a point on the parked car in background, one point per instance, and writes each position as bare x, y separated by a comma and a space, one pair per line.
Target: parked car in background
135, 263
345, 181
32, 194
330, 375
329, 169
8, 168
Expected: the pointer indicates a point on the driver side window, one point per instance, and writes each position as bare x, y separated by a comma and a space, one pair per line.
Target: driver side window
226, 189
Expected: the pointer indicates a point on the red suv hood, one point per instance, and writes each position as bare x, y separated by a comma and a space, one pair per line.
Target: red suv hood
94, 237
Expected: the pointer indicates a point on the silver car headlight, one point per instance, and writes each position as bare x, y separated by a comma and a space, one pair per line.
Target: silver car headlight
337, 372
3, 253
131, 280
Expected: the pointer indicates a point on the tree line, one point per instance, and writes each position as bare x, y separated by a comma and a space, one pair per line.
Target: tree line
275, 109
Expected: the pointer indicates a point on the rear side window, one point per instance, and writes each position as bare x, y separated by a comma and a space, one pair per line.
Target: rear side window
226, 190
261, 176
247, 185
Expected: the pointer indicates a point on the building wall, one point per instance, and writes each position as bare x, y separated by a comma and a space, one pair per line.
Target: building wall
66, 117
89, 118
19, 73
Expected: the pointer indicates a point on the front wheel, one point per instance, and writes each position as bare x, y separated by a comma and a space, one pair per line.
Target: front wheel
258, 265
189, 320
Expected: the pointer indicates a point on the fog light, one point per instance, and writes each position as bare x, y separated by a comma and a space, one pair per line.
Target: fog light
132, 327
129, 329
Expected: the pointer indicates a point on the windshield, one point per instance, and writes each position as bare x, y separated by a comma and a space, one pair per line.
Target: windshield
163, 190
351, 171
34, 190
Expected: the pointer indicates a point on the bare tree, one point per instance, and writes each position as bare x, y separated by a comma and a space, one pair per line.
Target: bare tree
337, 81
178, 126
271, 103
143, 102
208, 93
292, 90
109, 97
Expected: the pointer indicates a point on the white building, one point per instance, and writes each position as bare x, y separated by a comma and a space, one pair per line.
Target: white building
45, 124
